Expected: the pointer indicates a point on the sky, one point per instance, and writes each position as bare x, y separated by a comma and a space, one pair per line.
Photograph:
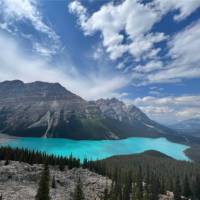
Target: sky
144, 52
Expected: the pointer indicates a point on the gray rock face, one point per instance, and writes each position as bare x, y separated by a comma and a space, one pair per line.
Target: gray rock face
45, 109
42, 109
118, 110
20, 181
131, 117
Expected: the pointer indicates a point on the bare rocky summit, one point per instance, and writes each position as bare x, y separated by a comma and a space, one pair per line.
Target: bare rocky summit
20, 181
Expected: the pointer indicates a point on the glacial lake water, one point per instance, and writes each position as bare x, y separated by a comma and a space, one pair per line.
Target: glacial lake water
99, 149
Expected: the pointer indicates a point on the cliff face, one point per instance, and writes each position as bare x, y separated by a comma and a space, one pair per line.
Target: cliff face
130, 120
20, 181
47, 109
42, 109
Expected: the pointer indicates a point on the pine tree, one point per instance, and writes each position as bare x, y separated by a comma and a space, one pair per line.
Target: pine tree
127, 189
177, 189
146, 195
186, 188
139, 186
43, 190
105, 194
197, 187
7, 162
62, 166
53, 184
78, 192
85, 163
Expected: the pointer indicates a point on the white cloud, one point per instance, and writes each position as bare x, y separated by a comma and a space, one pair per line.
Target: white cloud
26, 11
149, 67
189, 113
77, 8
154, 93
43, 50
184, 7
176, 101
184, 50
110, 20
15, 64
136, 20
169, 108
120, 65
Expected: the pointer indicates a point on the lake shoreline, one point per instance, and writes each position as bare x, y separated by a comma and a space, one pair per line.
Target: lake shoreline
4, 138
95, 149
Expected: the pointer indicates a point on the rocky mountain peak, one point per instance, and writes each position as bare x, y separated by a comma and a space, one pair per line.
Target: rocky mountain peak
112, 108
6, 85
13, 82
48, 89
119, 110
35, 90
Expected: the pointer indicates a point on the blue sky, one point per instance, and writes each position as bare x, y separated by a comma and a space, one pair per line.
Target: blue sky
142, 52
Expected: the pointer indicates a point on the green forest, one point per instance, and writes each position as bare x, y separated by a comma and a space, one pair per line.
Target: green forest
134, 177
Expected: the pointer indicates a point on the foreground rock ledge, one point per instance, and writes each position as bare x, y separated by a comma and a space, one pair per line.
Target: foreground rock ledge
20, 181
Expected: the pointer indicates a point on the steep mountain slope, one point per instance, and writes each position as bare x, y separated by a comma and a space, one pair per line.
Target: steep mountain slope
47, 109
189, 127
42, 109
129, 118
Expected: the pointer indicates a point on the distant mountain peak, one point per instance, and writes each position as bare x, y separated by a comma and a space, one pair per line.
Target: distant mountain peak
189, 126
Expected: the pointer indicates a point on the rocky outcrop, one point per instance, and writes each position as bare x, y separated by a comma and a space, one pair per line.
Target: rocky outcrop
20, 181
168, 196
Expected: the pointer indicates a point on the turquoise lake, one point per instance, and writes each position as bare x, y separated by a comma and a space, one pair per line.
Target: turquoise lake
98, 149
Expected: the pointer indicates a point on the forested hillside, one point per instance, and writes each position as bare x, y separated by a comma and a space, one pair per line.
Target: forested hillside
134, 177
145, 176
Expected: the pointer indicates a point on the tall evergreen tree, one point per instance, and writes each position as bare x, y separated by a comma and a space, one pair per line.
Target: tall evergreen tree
78, 192
43, 190
85, 163
105, 194
139, 186
7, 162
53, 184
177, 189
127, 186
186, 188
62, 166
197, 187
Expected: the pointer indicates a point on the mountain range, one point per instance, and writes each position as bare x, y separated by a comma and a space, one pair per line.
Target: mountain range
41, 109
188, 127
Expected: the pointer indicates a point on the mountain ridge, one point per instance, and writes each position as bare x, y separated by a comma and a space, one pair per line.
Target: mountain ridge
189, 127
41, 109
